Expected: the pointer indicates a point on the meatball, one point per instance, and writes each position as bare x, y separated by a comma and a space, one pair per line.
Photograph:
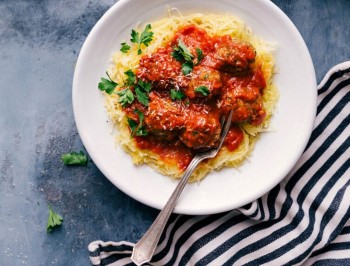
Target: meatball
203, 76
202, 129
164, 117
162, 69
244, 96
193, 38
230, 55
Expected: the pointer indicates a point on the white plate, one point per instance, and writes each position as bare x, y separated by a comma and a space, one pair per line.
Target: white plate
275, 153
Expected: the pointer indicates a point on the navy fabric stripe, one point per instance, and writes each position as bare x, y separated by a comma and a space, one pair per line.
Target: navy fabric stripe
346, 230
210, 236
333, 262
118, 248
271, 201
94, 253
261, 209
113, 258
332, 78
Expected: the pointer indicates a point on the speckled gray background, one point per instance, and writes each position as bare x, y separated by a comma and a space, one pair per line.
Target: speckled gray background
39, 45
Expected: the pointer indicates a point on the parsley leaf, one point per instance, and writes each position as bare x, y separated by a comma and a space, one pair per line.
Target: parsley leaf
200, 55
137, 129
145, 85
107, 85
181, 52
187, 67
125, 47
176, 94
145, 38
142, 90
142, 96
131, 77
74, 158
53, 220
126, 97
203, 90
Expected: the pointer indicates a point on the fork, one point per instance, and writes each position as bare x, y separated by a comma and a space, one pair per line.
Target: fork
145, 247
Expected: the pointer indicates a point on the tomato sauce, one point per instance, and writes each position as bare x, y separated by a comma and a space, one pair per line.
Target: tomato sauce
217, 77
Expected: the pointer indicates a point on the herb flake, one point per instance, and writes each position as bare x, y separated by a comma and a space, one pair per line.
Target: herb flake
74, 158
145, 38
176, 94
53, 220
107, 85
203, 90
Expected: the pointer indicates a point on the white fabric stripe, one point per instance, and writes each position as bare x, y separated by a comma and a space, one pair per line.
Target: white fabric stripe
202, 232
180, 231
293, 211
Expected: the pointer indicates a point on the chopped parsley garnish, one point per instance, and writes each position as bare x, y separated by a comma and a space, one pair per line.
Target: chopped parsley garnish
125, 47
53, 220
131, 77
182, 54
200, 55
203, 90
107, 85
145, 38
141, 88
142, 96
125, 97
74, 158
187, 67
137, 129
176, 94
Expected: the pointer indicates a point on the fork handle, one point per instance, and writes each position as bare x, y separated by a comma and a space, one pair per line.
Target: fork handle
145, 247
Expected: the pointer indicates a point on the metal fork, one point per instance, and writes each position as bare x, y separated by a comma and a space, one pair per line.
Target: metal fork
145, 247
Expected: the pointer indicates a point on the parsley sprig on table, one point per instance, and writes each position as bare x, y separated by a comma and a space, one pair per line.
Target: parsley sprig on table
74, 158
53, 220
144, 38
182, 54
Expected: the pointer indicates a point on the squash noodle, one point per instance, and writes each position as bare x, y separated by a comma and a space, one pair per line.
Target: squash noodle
164, 29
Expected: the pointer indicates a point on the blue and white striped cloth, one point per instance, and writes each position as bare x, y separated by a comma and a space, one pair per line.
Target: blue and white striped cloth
305, 220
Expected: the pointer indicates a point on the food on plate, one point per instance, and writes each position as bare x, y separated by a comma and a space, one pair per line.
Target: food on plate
170, 86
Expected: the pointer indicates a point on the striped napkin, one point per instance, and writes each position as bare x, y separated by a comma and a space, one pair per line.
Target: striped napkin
303, 220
